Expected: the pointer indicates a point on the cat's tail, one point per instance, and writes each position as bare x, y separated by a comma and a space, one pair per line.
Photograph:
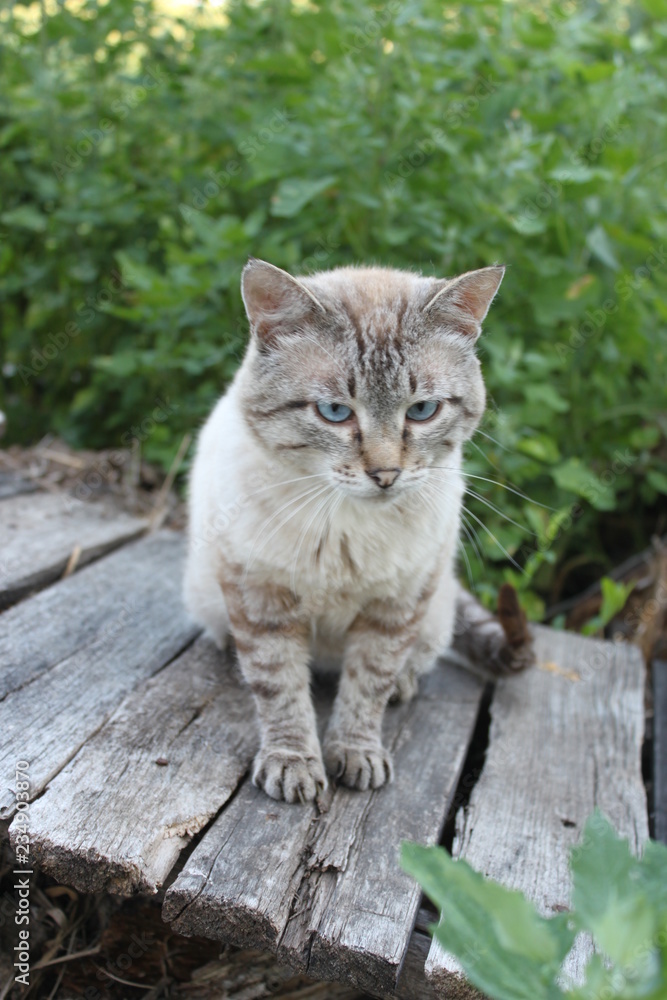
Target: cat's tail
495, 645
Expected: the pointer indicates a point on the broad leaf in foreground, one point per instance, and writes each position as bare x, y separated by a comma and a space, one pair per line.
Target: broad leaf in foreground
505, 947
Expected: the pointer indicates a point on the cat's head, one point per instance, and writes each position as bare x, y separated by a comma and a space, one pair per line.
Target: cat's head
366, 375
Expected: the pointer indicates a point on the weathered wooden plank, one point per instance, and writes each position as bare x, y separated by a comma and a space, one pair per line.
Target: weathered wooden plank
326, 891
48, 719
177, 748
564, 740
73, 613
39, 533
412, 983
12, 484
659, 672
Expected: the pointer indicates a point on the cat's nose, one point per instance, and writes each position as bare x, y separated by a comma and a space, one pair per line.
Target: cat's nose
384, 477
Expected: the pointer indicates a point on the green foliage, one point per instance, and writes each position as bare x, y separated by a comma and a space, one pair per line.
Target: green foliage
614, 596
510, 952
142, 159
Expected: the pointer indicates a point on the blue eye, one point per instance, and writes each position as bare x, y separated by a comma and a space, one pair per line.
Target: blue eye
423, 410
335, 413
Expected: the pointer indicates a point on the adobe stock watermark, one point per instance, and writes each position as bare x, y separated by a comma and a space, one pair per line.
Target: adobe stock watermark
89, 139
248, 148
22, 871
455, 115
624, 287
552, 189
621, 462
371, 30
57, 342
325, 246
104, 470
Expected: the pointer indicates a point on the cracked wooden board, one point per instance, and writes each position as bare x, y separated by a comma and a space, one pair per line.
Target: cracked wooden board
564, 740
49, 718
117, 817
325, 892
39, 532
50, 626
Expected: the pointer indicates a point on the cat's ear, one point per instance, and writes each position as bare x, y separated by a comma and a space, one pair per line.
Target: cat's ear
275, 301
470, 295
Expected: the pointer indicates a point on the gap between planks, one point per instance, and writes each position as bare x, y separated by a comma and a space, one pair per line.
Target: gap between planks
565, 739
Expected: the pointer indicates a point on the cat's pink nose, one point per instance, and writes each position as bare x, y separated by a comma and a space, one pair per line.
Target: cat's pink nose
384, 477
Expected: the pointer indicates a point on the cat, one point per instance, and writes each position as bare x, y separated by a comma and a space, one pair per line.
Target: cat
324, 509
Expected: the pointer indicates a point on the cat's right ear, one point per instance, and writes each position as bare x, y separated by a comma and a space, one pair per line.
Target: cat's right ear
276, 303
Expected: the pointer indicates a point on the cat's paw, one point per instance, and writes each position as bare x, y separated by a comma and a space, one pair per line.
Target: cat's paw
358, 765
406, 687
288, 775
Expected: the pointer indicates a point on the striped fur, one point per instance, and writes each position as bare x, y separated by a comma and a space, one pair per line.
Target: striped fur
338, 541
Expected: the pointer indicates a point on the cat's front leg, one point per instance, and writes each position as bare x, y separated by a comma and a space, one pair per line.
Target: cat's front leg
272, 643
378, 646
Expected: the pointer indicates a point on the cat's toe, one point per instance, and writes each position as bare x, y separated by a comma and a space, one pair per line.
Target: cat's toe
287, 775
359, 766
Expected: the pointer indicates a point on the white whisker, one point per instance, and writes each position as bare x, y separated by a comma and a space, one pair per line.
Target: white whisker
473, 537
310, 494
487, 503
469, 475
499, 544
285, 482
304, 531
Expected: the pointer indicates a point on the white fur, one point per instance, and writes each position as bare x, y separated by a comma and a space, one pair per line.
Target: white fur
234, 504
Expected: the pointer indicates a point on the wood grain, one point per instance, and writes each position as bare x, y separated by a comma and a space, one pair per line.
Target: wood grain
170, 756
74, 613
565, 738
48, 719
39, 532
325, 891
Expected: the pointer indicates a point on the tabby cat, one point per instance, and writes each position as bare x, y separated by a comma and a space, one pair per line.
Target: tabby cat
325, 504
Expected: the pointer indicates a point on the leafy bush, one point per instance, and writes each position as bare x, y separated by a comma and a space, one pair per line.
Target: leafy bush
510, 952
144, 158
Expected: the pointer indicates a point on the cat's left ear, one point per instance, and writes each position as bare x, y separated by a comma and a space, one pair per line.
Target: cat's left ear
470, 295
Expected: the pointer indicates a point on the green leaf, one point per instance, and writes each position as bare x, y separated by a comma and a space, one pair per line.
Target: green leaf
26, 217
657, 479
539, 446
622, 901
600, 246
545, 395
507, 950
294, 193
614, 597
575, 477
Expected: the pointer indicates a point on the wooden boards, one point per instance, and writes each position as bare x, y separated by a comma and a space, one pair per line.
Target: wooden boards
565, 738
326, 891
39, 532
170, 756
88, 664
11, 484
